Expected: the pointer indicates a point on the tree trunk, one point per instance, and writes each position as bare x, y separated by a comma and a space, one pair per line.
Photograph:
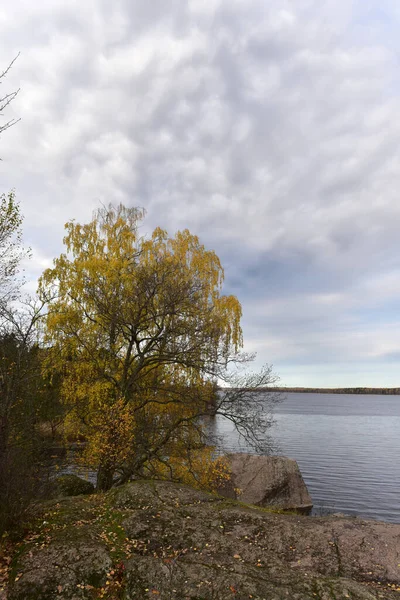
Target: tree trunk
104, 480
3, 435
133, 469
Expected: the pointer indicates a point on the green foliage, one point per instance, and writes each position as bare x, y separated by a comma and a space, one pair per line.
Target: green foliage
22, 388
11, 251
20, 446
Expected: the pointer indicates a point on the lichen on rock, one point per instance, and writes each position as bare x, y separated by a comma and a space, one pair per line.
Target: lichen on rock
162, 540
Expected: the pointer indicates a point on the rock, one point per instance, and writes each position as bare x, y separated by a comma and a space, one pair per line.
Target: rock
71, 485
62, 570
267, 481
168, 541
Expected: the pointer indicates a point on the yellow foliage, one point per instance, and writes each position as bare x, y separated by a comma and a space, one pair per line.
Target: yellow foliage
138, 327
200, 469
112, 434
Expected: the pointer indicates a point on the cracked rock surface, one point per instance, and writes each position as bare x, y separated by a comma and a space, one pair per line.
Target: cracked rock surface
169, 541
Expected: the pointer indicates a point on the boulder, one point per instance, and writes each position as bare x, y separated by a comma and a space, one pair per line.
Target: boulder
267, 481
71, 485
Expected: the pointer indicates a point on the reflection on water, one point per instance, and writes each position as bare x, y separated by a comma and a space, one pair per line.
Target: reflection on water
347, 447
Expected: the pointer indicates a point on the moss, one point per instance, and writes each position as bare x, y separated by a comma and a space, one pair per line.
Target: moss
163, 536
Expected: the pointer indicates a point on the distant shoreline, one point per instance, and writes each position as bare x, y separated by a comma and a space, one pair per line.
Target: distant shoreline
349, 390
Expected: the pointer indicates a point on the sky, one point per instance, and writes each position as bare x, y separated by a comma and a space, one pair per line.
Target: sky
269, 128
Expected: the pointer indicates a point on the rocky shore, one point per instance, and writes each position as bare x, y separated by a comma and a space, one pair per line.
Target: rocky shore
162, 540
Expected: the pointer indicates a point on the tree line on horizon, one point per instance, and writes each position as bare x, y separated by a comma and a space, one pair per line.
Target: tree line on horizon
346, 390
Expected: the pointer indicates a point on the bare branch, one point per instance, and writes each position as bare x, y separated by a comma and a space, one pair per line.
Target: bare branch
8, 98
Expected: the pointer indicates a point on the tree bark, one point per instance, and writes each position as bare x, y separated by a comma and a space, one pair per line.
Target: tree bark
104, 480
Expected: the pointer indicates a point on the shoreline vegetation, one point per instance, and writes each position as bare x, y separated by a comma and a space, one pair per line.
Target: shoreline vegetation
120, 349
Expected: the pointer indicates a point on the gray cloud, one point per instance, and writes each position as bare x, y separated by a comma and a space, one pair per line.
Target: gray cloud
270, 130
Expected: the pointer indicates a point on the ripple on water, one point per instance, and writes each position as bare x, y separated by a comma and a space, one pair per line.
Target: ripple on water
347, 447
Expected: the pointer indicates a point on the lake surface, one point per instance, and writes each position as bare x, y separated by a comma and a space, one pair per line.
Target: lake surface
347, 447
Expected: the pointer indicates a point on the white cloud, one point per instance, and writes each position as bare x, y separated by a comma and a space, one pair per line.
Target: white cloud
270, 129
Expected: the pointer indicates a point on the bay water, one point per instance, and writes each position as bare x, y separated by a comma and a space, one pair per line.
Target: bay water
347, 447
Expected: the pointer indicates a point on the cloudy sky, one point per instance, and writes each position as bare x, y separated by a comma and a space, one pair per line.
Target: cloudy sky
270, 128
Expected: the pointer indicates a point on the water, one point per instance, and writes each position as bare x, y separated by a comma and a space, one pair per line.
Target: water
347, 448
